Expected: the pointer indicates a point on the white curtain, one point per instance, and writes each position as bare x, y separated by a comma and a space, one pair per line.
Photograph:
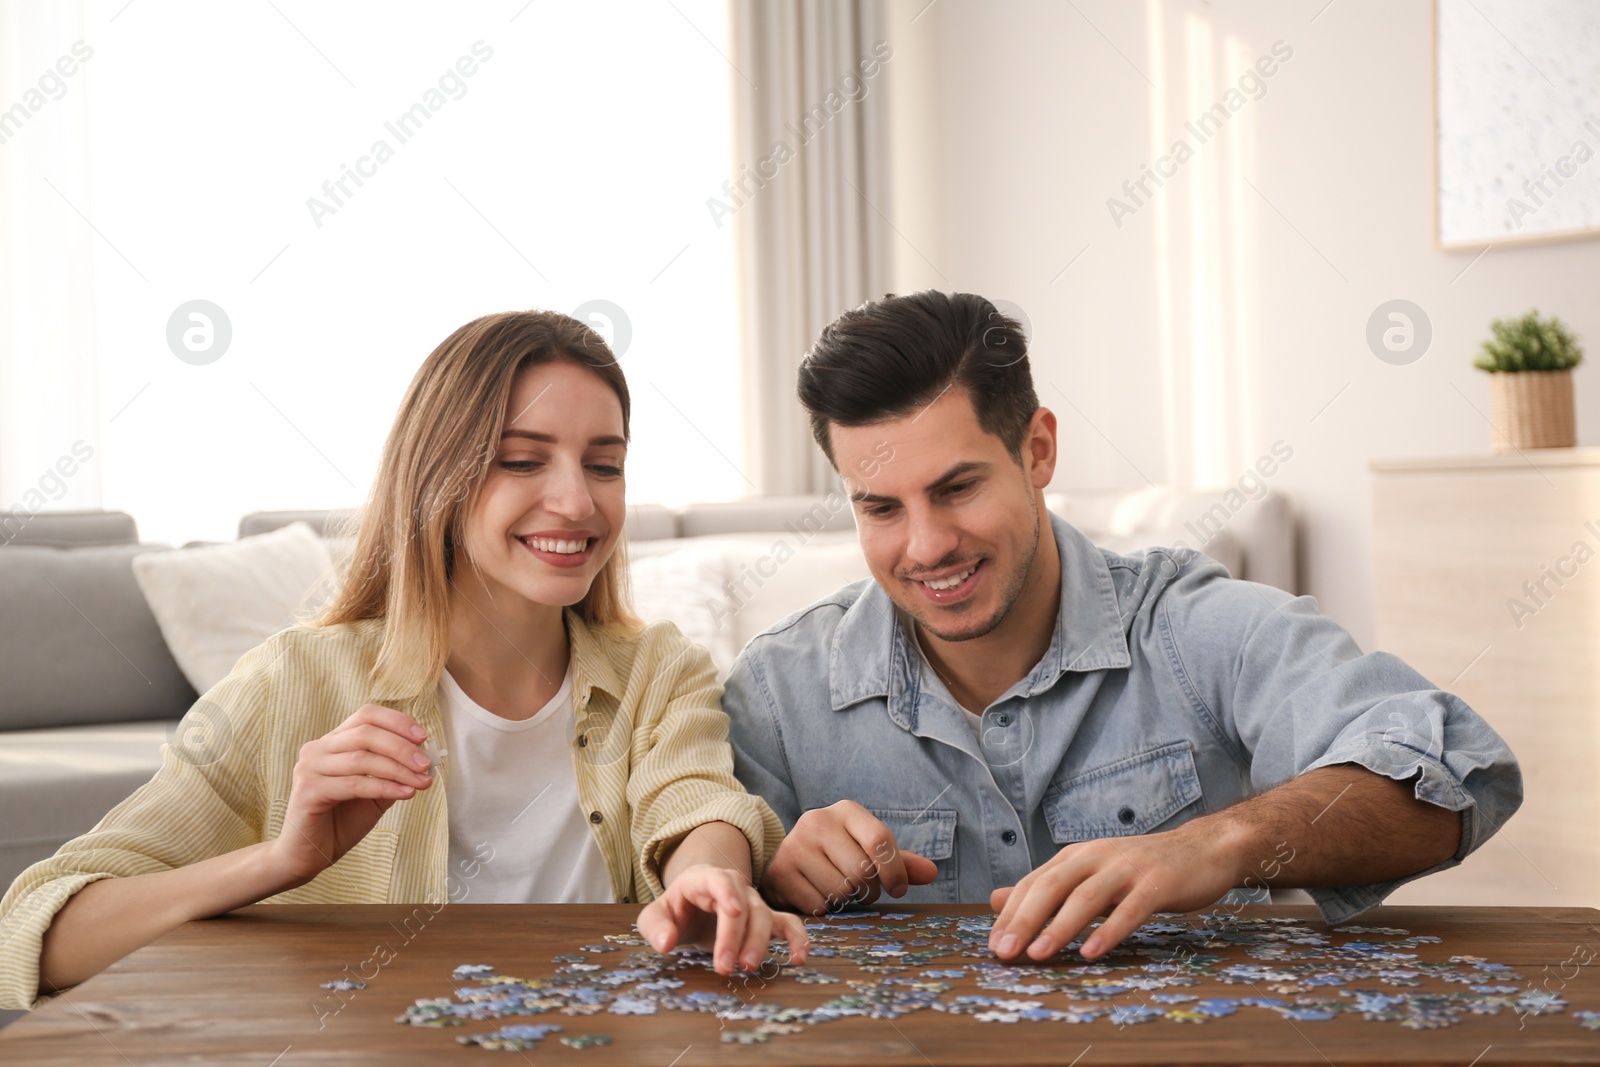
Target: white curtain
49, 401
809, 200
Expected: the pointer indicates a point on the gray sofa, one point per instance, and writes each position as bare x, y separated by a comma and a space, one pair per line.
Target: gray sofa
91, 691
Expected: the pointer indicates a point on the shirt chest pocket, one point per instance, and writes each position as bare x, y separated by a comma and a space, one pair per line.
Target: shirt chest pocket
1131, 796
931, 834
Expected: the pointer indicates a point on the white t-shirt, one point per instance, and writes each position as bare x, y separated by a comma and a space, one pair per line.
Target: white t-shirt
518, 834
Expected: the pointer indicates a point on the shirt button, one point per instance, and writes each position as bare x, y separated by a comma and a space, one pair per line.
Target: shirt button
1003, 719
583, 740
596, 818
1126, 816
1009, 837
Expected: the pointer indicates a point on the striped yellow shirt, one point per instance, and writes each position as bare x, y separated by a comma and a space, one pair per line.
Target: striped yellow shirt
649, 745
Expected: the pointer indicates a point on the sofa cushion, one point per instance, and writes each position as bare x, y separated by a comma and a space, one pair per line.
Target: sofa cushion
56, 784
722, 591
770, 578
681, 585
217, 602
78, 643
1253, 536
1222, 547
63, 529
651, 522
800, 517
339, 522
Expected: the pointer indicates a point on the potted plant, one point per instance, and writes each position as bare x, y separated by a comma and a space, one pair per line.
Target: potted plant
1530, 361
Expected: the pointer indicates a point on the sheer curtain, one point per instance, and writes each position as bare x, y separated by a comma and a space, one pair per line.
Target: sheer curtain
49, 397
532, 155
809, 203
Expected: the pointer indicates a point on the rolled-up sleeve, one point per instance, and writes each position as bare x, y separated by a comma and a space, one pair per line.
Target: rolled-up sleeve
685, 777
1297, 694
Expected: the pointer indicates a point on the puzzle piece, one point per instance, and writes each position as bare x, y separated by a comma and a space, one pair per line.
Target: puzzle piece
436, 756
1369, 973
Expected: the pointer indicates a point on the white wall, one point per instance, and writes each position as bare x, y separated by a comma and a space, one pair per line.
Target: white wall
1220, 317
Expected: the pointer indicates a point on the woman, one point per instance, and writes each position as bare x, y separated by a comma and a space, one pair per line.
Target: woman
483, 624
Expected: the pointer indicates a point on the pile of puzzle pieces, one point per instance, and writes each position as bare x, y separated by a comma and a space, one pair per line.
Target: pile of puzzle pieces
1294, 969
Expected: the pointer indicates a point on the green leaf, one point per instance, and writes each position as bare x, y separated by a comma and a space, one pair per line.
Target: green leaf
1529, 342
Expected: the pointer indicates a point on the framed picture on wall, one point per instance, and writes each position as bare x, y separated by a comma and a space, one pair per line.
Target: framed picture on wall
1516, 121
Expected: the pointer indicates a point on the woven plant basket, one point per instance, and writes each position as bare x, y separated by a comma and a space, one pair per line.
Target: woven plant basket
1532, 409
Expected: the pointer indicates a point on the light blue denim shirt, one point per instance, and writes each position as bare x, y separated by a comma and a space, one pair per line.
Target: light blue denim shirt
1169, 690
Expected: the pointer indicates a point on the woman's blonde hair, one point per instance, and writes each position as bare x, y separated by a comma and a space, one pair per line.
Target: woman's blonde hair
435, 461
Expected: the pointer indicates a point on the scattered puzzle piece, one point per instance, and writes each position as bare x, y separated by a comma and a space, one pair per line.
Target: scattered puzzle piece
746, 1037
1292, 968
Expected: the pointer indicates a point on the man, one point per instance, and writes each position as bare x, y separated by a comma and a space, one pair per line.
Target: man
1008, 713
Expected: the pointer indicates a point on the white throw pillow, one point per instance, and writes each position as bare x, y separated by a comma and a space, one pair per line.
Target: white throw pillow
217, 602
1223, 546
723, 590
683, 586
772, 576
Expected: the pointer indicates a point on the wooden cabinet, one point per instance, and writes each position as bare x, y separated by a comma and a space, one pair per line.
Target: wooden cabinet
1487, 572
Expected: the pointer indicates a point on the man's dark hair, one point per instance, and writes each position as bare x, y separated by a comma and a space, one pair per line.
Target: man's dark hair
890, 357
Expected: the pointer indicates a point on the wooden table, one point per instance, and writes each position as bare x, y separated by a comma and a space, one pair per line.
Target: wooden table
245, 989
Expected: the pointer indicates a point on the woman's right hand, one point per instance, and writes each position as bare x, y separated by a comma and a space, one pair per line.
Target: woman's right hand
343, 783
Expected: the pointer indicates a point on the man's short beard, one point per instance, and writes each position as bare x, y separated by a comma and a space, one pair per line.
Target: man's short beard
1009, 594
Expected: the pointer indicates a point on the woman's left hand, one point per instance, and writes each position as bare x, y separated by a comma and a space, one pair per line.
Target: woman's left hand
716, 908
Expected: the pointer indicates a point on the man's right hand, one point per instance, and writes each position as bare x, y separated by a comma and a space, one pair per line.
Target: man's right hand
840, 855
343, 783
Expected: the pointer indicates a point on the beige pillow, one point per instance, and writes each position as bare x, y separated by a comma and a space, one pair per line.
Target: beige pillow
217, 602
722, 590
683, 585
1223, 546
770, 577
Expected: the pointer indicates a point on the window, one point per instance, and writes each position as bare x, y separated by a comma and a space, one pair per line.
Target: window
350, 183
